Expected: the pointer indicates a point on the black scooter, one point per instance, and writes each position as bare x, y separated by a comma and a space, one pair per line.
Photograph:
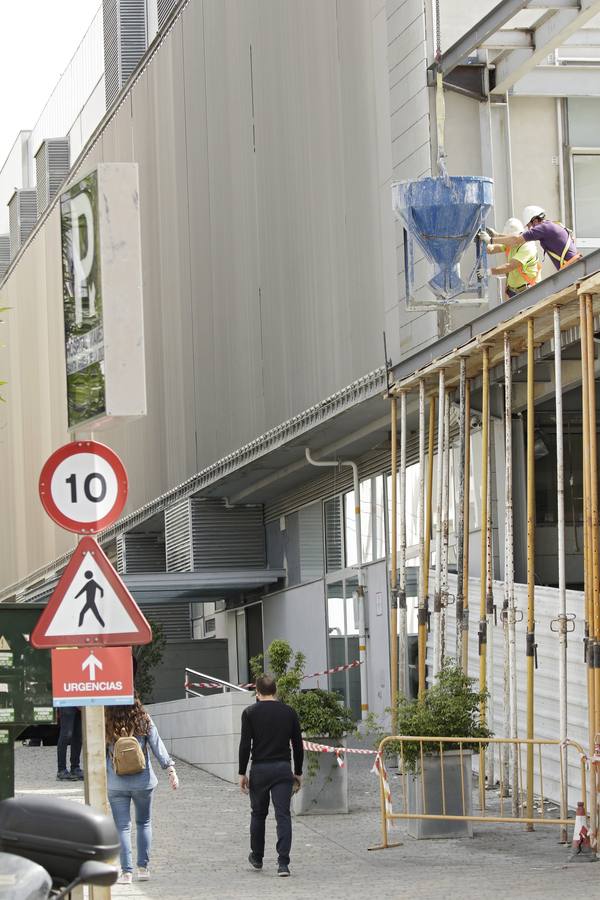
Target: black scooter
48, 847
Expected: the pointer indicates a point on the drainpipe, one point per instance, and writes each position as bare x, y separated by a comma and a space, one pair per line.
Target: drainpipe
360, 591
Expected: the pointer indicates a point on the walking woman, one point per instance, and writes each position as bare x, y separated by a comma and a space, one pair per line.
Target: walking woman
129, 733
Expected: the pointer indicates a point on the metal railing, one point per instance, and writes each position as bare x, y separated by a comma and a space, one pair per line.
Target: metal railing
208, 683
437, 781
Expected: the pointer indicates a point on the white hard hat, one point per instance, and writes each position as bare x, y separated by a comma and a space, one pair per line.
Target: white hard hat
532, 212
513, 226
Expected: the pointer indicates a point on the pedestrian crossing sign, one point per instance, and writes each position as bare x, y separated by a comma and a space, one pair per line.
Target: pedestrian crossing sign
90, 606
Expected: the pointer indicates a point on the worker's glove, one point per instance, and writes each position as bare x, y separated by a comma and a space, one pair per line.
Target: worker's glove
484, 237
482, 273
173, 779
492, 232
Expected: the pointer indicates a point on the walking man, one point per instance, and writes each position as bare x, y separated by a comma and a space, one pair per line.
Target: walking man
268, 728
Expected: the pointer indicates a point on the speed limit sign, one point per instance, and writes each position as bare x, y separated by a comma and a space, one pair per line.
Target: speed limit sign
83, 486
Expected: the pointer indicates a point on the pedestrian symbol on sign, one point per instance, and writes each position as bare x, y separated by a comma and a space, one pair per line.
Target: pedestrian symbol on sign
89, 589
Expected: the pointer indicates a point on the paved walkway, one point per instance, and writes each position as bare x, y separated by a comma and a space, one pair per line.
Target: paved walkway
201, 846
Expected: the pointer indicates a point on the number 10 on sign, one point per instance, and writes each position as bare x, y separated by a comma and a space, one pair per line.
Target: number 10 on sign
83, 487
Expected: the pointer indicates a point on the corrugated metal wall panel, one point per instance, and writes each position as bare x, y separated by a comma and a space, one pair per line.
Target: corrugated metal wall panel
178, 543
22, 211
4, 253
125, 42
138, 553
227, 537
173, 616
52, 163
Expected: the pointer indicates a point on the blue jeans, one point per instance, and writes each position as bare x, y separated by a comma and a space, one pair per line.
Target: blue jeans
120, 803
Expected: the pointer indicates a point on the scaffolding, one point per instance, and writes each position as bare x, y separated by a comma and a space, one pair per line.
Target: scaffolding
521, 342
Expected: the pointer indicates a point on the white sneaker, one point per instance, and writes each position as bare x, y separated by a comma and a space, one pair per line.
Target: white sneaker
143, 873
125, 878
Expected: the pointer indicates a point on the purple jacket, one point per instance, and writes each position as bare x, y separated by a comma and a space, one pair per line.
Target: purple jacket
552, 238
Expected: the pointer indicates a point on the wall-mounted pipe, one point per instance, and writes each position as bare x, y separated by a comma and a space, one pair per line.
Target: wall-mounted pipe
360, 591
402, 613
394, 562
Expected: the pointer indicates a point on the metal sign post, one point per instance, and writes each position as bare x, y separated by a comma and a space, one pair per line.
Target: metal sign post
91, 620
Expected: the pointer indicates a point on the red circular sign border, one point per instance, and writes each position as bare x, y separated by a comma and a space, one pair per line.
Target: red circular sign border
52, 463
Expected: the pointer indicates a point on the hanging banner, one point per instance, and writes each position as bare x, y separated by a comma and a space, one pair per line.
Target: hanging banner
102, 297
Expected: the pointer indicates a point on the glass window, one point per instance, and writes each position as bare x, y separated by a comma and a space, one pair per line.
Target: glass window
372, 522
584, 122
342, 622
586, 190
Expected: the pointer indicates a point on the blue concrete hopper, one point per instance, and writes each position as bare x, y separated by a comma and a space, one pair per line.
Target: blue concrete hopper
443, 216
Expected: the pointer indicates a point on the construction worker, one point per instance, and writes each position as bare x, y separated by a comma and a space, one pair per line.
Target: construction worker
555, 239
521, 268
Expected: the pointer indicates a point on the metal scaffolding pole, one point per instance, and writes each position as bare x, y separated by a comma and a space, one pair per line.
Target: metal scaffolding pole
437, 596
490, 611
588, 573
445, 526
562, 591
466, 528
510, 660
460, 517
595, 567
394, 561
530, 642
429, 498
422, 618
485, 405
402, 616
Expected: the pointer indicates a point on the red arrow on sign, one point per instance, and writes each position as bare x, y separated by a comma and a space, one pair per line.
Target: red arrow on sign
90, 606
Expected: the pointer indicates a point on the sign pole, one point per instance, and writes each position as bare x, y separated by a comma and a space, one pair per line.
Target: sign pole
94, 767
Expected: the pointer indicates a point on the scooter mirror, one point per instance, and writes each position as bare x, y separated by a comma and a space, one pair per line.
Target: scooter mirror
98, 873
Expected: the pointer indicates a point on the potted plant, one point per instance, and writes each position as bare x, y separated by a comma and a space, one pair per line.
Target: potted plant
450, 708
323, 719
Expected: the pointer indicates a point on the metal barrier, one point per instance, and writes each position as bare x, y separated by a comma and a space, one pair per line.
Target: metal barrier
428, 776
212, 683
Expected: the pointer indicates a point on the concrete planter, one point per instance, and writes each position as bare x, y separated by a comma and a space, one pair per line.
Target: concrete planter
429, 782
326, 791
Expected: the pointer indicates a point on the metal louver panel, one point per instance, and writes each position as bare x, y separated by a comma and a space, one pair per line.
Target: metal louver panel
173, 616
140, 553
165, 8
178, 540
125, 42
205, 535
22, 213
52, 163
4, 253
227, 537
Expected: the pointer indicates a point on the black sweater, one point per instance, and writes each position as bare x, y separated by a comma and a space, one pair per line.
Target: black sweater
268, 727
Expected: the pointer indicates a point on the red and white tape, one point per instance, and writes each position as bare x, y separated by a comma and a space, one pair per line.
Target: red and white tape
378, 769
332, 671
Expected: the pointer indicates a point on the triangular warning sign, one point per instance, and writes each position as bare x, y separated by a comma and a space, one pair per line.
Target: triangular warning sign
4, 645
90, 605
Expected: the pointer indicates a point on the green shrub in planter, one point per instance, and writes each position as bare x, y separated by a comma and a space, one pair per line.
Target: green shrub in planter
450, 708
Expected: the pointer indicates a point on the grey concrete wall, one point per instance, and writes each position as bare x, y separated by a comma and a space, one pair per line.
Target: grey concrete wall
204, 731
299, 616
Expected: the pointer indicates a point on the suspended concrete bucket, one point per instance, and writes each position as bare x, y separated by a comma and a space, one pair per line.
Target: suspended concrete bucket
443, 217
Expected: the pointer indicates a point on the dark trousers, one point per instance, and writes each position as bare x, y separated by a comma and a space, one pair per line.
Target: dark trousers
271, 780
70, 733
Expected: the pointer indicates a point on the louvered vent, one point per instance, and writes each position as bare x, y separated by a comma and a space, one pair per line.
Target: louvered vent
207, 535
4, 253
139, 553
52, 163
125, 42
22, 213
174, 618
165, 8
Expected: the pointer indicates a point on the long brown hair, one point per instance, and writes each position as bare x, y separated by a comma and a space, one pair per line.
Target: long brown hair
128, 718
